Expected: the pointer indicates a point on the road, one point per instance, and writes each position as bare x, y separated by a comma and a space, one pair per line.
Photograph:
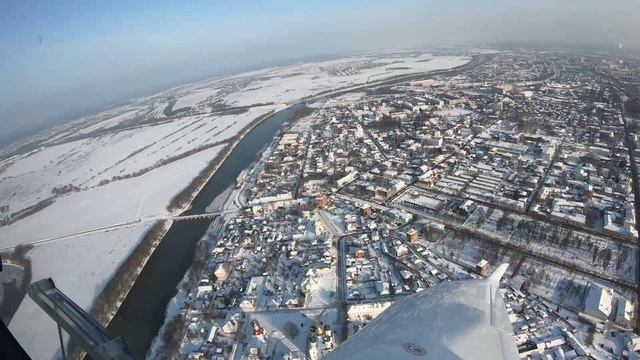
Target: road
341, 303
335, 232
636, 193
373, 139
534, 195
341, 289
307, 143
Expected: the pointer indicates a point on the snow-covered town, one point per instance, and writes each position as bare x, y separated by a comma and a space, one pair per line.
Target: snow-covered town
525, 158
320, 180
90, 203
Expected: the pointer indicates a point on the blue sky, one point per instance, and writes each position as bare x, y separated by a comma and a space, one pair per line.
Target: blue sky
95, 53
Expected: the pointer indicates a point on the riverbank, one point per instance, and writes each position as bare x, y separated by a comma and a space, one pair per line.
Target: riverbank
142, 313
173, 329
105, 306
114, 293
182, 202
109, 302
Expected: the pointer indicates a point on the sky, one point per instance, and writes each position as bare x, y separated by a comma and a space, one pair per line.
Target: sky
62, 59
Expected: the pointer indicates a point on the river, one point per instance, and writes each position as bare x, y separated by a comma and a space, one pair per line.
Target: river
142, 313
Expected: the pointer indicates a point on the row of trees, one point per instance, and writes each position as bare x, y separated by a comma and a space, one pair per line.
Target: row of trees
118, 286
28, 211
65, 189
124, 277
562, 238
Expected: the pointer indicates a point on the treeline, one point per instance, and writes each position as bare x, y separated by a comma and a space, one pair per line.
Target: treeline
169, 112
563, 239
386, 122
172, 335
21, 214
65, 189
30, 210
185, 196
385, 90
633, 106
159, 163
224, 109
126, 274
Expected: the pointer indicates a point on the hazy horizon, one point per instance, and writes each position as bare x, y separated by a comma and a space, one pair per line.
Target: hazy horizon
66, 59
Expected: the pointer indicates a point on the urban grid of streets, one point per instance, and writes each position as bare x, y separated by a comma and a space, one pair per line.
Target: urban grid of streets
388, 189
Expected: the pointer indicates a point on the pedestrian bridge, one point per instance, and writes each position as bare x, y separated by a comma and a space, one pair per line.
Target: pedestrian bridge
206, 215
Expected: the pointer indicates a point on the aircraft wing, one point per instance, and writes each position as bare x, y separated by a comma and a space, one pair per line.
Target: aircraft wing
452, 320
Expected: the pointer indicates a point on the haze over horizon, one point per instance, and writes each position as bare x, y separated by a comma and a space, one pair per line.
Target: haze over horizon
61, 59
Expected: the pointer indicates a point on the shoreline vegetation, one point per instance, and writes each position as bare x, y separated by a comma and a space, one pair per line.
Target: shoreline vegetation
108, 301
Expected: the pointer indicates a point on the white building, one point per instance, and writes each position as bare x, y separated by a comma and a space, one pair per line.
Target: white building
624, 312
346, 179
230, 327
222, 271
571, 211
204, 289
599, 301
359, 312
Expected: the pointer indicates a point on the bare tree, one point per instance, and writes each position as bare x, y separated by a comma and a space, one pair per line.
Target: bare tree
290, 330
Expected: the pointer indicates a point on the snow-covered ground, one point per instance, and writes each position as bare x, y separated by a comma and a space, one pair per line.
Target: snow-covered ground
323, 288
98, 170
112, 119
110, 204
285, 85
275, 321
81, 266
194, 98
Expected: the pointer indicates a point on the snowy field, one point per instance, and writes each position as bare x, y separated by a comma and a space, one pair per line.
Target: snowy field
284, 85
81, 266
323, 288
113, 203
88, 162
191, 99
130, 161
